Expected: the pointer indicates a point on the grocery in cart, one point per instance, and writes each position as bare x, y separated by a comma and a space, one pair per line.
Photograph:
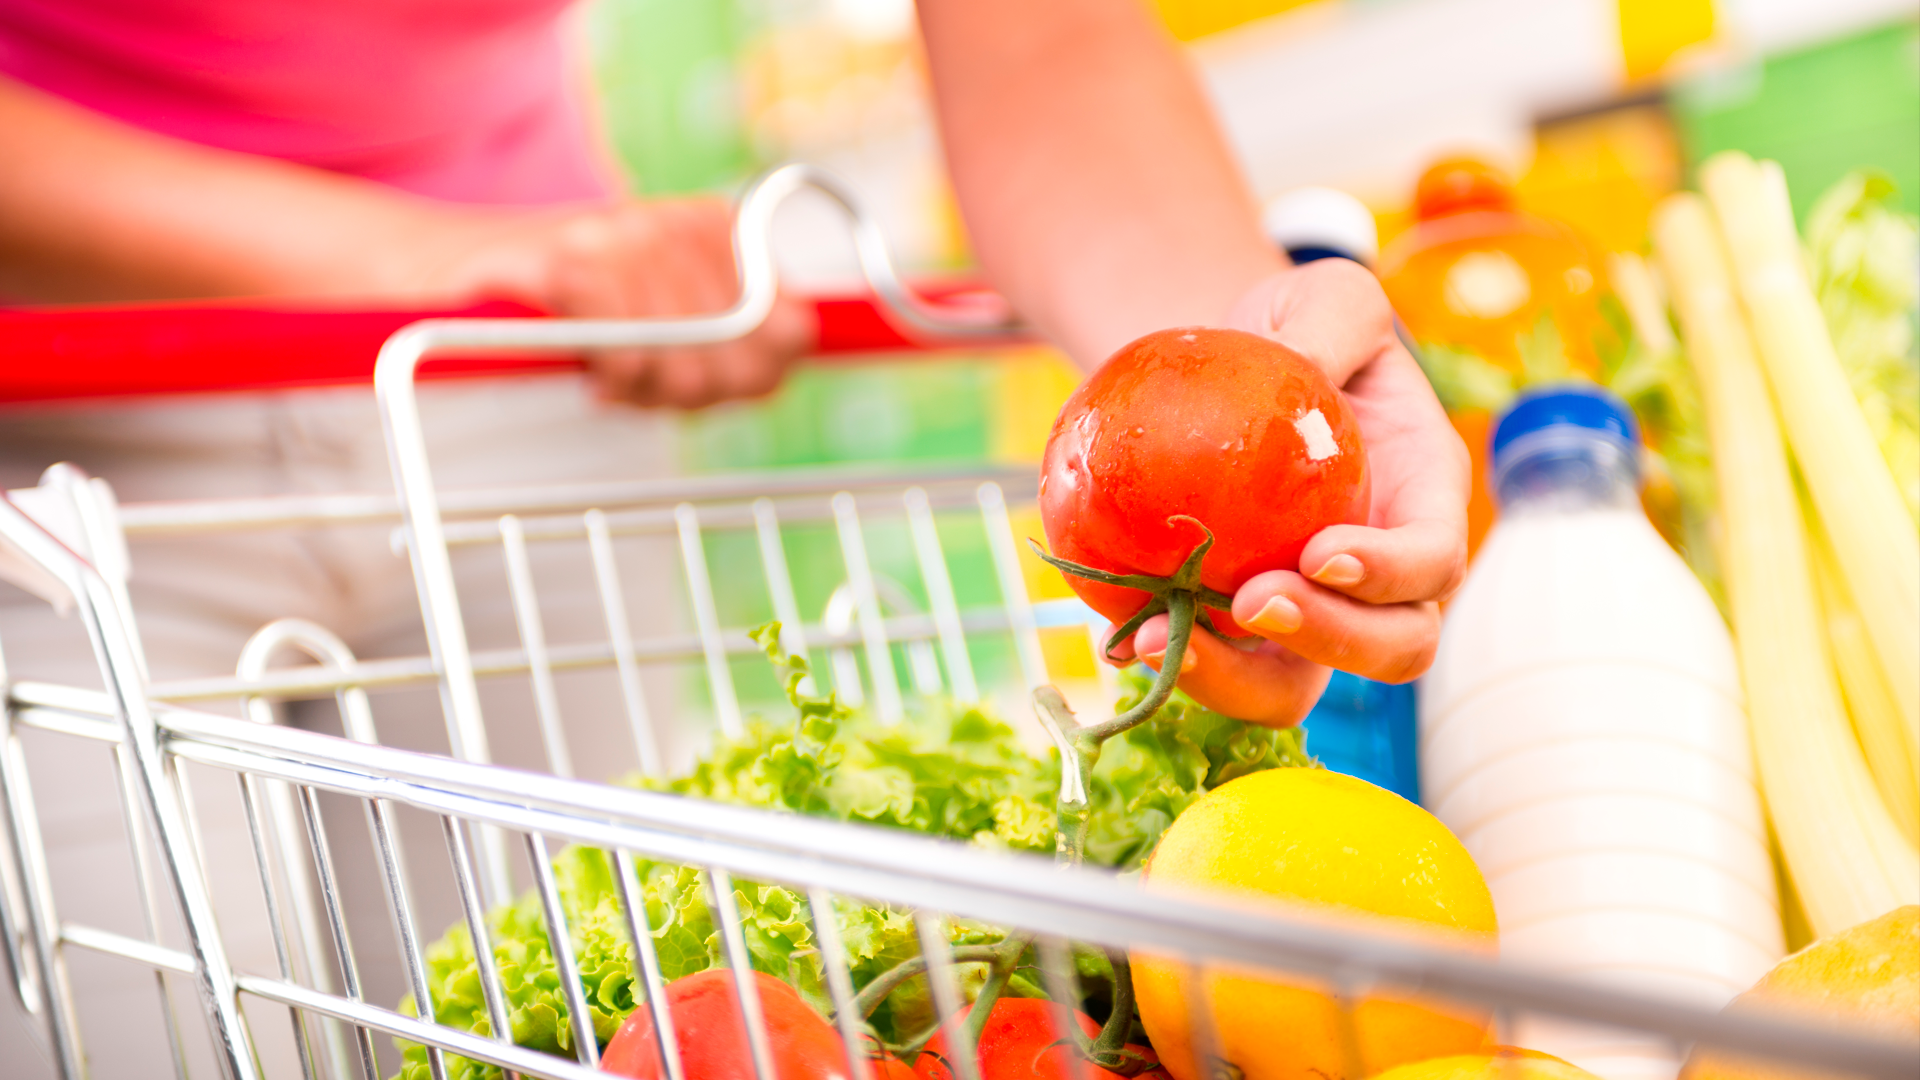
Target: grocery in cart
800, 670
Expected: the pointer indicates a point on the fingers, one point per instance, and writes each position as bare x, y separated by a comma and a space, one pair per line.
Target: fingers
1414, 545
1266, 684
1423, 559
1331, 311
1389, 642
664, 259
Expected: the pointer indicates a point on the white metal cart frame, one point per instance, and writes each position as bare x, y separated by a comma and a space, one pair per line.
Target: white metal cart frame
66, 542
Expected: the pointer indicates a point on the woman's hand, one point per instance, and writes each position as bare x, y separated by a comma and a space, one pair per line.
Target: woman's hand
1367, 597
641, 259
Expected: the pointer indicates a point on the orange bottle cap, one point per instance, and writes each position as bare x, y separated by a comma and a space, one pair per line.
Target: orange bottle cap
1460, 184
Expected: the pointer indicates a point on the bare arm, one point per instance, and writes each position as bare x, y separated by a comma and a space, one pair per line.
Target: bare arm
95, 210
1099, 194
1104, 203
91, 209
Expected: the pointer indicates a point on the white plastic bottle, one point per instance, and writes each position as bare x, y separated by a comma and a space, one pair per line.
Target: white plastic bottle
1582, 732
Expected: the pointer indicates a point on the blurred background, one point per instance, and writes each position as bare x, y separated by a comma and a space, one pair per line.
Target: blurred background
1594, 109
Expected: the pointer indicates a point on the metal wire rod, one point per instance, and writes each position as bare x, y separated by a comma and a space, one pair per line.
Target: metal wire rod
613, 603
400, 358
321, 681
1013, 586
508, 1056
833, 961
746, 985
120, 671
647, 962
473, 909
191, 516
586, 1044
693, 560
804, 507
866, 599
773, 560
946, 613
1032, 893
533, 639
963, 1059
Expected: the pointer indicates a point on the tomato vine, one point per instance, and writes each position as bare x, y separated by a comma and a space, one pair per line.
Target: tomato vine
1183, 599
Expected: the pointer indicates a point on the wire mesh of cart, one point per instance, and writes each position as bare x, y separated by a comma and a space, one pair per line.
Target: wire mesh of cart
891, 632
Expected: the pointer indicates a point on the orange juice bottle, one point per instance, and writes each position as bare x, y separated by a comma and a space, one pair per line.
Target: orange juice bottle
1494, 300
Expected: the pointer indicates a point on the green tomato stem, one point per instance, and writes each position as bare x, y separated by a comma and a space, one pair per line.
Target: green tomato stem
1107, 1046
1181, 609
1182, 597
1010, 950
875, 992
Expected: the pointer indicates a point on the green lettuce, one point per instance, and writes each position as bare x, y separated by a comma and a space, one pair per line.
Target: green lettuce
947, 770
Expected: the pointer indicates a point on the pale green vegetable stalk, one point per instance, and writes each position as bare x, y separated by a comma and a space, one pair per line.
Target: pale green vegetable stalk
1848, 860
1864, 256
1876, 716
1652, 376
1860, 507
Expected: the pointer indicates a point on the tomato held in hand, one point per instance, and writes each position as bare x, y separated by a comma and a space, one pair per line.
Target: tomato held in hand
713, 1039
1021, 1041
1240, 433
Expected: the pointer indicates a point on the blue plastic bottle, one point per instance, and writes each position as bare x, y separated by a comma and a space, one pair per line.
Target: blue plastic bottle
1360, 727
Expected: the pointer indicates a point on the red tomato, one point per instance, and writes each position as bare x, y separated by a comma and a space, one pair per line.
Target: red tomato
891, 1068
884, 1066
713, 1039
1020, 1042
1239, 432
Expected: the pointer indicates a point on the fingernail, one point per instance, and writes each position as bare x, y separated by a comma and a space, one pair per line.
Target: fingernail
1188, 660
1280, 616
1340, 570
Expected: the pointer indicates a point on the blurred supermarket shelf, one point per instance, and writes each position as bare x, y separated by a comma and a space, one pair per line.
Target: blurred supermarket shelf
1363, 95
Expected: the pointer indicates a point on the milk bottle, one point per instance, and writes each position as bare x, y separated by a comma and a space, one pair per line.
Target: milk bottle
1582, 732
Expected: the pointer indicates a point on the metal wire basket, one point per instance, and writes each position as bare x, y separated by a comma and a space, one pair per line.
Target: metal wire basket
497, 826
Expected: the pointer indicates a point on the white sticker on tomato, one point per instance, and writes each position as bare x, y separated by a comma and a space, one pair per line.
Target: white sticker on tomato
1318, 434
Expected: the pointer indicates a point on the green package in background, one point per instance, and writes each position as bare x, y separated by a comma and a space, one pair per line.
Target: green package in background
1820, 111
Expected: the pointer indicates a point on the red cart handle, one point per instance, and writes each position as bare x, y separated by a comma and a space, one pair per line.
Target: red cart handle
56, 354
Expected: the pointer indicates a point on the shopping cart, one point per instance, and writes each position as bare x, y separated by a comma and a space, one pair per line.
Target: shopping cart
307, 1012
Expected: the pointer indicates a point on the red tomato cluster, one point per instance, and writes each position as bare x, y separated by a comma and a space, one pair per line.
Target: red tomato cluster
1021, 1041
712, 1036
1241, 433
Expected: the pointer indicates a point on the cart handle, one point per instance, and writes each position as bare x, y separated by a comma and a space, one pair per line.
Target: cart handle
95, 352
91, 352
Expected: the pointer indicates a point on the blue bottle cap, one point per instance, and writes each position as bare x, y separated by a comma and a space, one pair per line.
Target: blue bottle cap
1566, 405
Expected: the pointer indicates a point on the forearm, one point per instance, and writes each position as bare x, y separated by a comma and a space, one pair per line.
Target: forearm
1097, 190
91, 209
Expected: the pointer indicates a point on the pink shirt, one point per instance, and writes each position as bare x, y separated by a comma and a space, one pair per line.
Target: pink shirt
466, 100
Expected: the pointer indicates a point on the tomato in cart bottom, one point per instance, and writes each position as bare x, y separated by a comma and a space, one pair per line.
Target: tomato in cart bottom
713, 1039
1021, 1041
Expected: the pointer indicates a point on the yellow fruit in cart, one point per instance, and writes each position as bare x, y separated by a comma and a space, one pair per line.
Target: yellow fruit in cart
1501, 1063
1869, 974
1292, 837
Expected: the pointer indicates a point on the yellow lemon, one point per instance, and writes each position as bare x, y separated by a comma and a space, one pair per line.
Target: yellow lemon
1869, 974
1288, 837
1501, 1063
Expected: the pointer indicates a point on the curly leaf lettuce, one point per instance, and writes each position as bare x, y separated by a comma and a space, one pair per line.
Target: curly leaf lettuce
947, 770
